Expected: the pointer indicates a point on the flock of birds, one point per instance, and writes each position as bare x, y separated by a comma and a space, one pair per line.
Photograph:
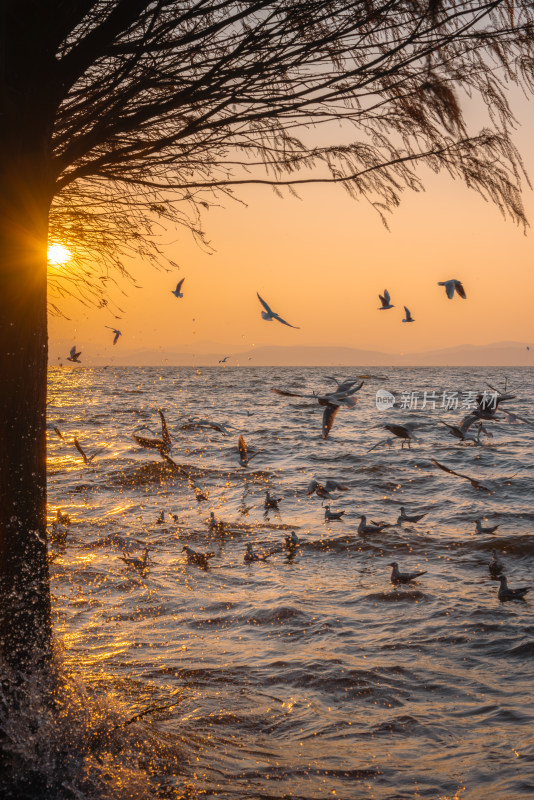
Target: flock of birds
452, 286
342, 396
486, 409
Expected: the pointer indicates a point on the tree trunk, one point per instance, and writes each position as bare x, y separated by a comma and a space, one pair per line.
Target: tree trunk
25, 625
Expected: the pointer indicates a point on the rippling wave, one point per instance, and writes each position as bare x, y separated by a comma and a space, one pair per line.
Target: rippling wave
308, 675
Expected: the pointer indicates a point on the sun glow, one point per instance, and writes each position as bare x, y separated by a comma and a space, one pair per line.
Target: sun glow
58, 255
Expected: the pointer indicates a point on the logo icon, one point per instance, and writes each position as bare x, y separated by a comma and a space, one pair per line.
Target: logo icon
384, 400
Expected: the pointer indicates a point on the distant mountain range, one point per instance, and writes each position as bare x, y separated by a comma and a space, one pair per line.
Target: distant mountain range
496, 354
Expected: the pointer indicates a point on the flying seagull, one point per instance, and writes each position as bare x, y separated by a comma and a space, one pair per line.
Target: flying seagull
176, 292
404, 432
86, 459
476, 484
163, 445
59, 433
224, 360
408, 317
511, 594
269, 315
116, 332
453, 286
245, 455
332, 401
74, 356
403, 577
384, 300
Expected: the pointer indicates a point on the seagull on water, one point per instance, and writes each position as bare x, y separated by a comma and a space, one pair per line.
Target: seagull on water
408, 317
480, 529
137, 562
269, 314
58, 532
496, 567
453, 286
271, 501
374, 527
161, 519
331, 400
251, 555
292, 542
199, 493
163, 445
215, 524
476, 484
194, 557
62, 517
176, 292
403, 517
329, 516
511, 594
245, 454
384, 300
74, 356
116, 332
403, 577
323, 490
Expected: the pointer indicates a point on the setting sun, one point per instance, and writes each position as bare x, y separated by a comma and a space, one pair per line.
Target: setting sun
58, 255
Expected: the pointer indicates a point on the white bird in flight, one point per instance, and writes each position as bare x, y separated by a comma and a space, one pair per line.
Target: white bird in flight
74, 356
116, 332
452, 286
408, 317
176, 292
269, 314
384, 299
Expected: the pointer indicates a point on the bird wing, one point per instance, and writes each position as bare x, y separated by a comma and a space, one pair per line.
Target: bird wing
59, 433
387, 296
285, 393
264, 304
79, 449
459, 288
115, 338
332, 485
279, 318
73, 351
407, 310
382, 300
179, 284
476, 484
242, 446
144, 441
329, 416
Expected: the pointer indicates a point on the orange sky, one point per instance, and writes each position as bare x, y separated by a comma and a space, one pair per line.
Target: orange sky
320, 262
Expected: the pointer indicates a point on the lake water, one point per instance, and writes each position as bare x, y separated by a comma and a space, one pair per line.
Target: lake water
308, 675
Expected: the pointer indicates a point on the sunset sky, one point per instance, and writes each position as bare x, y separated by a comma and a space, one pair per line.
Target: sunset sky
320, 262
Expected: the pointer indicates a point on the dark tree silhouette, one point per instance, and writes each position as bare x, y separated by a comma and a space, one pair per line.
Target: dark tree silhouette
119, 114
